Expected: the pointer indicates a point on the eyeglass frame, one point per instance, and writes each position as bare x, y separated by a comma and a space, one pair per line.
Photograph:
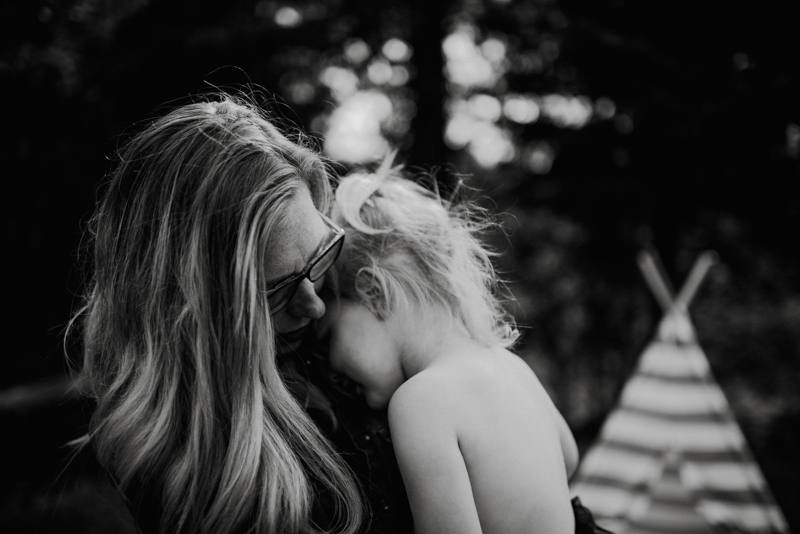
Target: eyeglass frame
338, 237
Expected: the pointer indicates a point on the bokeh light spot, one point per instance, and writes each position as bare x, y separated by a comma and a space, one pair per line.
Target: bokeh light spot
356, 51
301, 92
526, 63
490, 145
457, 45
341, 82
354, 128
520, 109
549, 49
539, 157
400, 76
567, 111
605, 108
485, 107
494, 50
623, 123
467, 66
458, 131
379, 72
288, 17
396, 50
741, 61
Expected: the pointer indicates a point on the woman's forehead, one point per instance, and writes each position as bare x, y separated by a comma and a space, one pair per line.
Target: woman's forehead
295, 238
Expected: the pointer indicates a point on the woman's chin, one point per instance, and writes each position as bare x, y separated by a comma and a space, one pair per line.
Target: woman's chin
291, 341
285, 346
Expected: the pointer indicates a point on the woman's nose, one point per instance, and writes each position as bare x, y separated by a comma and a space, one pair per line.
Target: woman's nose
306, 302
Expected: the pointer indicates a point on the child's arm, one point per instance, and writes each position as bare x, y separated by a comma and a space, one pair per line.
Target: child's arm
568, 445
434, 472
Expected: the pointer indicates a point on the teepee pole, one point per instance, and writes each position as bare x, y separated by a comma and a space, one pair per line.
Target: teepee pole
695, 278
655, 279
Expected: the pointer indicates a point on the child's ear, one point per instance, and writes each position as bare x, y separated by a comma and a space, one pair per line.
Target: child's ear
371, 287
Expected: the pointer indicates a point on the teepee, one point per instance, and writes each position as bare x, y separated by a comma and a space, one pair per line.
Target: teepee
671, 458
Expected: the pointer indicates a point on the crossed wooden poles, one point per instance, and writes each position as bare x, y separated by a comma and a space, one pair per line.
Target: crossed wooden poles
675, 325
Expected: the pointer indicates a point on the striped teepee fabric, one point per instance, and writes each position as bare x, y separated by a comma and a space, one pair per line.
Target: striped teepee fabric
670, 457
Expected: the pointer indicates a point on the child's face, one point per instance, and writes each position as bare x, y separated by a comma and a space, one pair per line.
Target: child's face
365, 350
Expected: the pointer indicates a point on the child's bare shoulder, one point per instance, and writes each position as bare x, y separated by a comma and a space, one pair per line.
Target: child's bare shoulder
430, 391
458, 384
435, 399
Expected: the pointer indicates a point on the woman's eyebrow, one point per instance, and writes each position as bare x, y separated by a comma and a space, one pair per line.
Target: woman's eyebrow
320, 246
274, 282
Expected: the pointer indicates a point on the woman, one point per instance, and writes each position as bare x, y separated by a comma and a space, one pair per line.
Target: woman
210, 243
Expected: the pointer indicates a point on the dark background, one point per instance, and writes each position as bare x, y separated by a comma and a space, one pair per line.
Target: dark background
702, 151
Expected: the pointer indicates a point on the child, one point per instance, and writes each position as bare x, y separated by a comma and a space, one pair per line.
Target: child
480, 445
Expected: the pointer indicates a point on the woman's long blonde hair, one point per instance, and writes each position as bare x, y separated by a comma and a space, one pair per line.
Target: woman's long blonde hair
410, 251
179, 348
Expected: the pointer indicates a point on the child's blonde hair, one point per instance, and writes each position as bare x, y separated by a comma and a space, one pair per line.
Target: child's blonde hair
409, 251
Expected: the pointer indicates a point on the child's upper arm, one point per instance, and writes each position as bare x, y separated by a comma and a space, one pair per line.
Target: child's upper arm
568, 446
434, 472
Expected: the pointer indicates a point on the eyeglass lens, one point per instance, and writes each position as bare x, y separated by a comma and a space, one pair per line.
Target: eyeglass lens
280, 298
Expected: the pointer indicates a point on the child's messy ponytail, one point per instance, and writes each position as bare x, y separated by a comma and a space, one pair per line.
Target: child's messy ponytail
407, 249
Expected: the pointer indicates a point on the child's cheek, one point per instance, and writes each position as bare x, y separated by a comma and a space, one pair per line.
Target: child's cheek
337, 351
375, 400
344, 350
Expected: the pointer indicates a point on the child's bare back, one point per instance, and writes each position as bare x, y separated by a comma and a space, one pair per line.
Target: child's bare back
479, 442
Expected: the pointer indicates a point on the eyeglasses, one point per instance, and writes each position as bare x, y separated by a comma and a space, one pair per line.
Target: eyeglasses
279, 296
